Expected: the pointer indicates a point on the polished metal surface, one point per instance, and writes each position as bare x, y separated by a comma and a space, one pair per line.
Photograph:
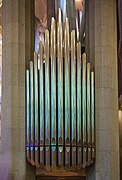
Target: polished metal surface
84, 122
36, 112
47, 90
93, 115
73, 96
84, 97
60, 88
47, 98
67, 90
53, 82
53, 91
79, 114
88, 113
60, 78
27, 115
88, 105
32, 141
41, 102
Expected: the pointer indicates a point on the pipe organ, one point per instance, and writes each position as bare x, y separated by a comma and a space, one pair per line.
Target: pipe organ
60, 120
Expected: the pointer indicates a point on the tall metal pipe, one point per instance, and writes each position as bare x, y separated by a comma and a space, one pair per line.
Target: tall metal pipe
32, 141
47, 99
79, 118
53, 91
60, 88
67, 91
73, 97
88, 112
36, 112
92, 114
27, 116
84, 107
41, 103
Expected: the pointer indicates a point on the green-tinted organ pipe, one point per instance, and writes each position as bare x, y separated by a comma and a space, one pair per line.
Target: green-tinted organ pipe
53, 91
31, 105
47, 90
79, 94
41, 94
67, 90
27, 114
79, 135
60, 87
84, 97
88, 106
36, 98
32, 141
53, 83
92, 113
73, 96
36, 120
88, 113
47, 98
84, 107
60, 81
41, 102
67, 82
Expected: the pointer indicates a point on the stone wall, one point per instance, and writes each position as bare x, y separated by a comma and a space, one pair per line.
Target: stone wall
102, 49
17, 52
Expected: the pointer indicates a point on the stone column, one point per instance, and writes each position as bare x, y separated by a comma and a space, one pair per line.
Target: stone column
103, 51
17, 37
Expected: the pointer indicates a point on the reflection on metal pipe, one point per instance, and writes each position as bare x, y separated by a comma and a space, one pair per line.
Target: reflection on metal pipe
53, 92
32, 112
73, 97
41, 103
67, 91
77, 28
47, 99
84, 107
84, 97
92, 115
27, 115
36, 112
60, 88
79, 135
88, 113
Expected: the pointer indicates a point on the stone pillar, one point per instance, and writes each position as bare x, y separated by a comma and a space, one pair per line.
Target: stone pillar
103, 50
17, 39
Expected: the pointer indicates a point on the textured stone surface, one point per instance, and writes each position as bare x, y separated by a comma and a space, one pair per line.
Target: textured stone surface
17, 39
103, 52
